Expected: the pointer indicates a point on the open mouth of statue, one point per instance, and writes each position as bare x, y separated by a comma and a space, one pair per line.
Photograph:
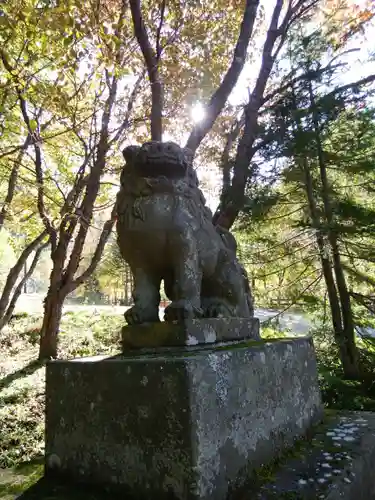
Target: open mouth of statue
163, 159
161, 166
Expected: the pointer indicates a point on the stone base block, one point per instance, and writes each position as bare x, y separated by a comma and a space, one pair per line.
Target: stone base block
189, 424
190, 332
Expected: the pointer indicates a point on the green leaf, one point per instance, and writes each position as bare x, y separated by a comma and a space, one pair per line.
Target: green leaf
33, 125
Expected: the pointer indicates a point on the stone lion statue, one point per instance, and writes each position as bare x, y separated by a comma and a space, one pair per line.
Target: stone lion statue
165, 232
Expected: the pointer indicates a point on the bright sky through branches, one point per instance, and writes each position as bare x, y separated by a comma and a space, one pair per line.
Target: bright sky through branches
358, 65
197, 112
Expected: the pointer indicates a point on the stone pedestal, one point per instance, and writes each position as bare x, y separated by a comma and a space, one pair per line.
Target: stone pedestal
190, 333
189, 423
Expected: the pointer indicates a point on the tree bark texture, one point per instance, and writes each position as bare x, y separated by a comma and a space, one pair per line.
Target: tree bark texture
151, 60
4, 320
12, 181
15, 272
242, 171
61, 284
348, 348
53, 307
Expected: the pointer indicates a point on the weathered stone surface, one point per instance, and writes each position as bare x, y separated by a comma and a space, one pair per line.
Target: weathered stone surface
165, 233
190, 332
336, 463
188, 425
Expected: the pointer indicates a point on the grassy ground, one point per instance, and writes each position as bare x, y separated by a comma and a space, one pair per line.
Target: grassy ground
89, 333
22, 387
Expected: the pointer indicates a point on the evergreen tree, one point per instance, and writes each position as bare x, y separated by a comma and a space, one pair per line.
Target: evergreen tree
307, 130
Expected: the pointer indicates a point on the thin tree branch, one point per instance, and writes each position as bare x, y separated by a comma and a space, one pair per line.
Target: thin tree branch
269, 320
151, 61
126, 121
15, 271
93, 184
219, 98
226, 215
359, 275
158, 32
358, 83
106, 231
32, 134
11, 188
18, 290
290, 82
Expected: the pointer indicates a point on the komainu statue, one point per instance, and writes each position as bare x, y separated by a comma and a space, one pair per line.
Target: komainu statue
165, 232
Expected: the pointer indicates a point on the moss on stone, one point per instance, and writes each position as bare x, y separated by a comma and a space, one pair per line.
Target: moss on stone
16, 481
253, 343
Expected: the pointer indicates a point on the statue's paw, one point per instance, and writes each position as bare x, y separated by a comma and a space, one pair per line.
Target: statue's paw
181, 310
218, 310
137, 315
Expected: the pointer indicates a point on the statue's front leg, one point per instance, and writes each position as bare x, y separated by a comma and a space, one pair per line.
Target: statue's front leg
146, 296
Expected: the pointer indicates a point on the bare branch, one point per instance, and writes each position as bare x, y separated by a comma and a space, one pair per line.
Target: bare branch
93, 185
308, 287
40, 201
32, 135
358, 83
158, 32
58, 187
290, 82
151, 61
219, 98
242, 170
11, 187
4, 320
359, 275
15, 271
126, 122
106, 231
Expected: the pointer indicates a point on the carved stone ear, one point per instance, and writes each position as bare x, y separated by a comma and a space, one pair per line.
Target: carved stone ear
189, 155
194, 182
130, 152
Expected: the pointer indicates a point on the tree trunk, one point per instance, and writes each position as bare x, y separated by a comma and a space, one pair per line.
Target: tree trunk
332, 291
348, 348
226, 215
225, 164
61, 284
324, 259
53, 305
334, 303
152, 61
15, 271
4, 320
11, 188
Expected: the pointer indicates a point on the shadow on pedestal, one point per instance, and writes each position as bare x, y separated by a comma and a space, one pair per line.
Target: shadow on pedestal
57, 489
51, 488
